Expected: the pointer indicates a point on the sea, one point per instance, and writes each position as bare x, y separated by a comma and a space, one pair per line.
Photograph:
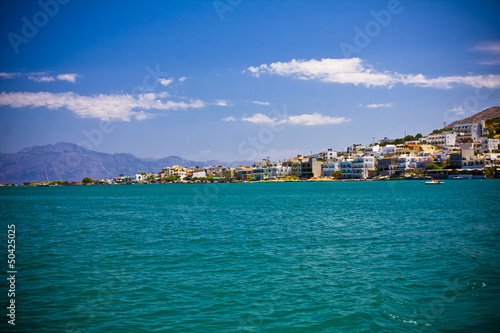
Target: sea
366, 256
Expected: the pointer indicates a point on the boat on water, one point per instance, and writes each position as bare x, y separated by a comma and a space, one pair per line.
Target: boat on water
46, 183
434, 182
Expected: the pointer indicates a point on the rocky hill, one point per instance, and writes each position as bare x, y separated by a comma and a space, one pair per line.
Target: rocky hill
486, 114
67, 161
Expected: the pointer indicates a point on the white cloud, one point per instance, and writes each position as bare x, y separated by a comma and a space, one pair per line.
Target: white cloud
166, 82
261, 119
260, 103
354, 71
230, 118
313, 119
382, 105
105, 107
222, 102
67, 77
42, 78
182, 79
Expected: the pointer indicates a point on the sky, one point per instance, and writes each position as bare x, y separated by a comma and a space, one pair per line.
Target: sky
240, 79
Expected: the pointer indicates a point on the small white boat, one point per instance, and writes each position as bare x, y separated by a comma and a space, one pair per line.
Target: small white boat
434, 182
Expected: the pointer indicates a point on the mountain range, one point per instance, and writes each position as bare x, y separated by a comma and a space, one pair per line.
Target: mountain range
67, 161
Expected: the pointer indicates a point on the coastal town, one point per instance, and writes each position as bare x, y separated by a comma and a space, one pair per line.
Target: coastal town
464, 151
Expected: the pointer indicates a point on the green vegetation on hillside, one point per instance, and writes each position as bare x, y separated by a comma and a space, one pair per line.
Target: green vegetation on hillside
439, 131
493, 127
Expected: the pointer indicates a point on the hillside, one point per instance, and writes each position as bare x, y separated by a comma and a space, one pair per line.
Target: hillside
486, 114
493, 127
67, 161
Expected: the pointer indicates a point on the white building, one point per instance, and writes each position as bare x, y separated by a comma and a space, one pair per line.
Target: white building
373, 150
346, 168
388, 150
328, 155
445, 139
488, 144
279, 171
361, 165
472, 130
327, 168
199, 174
409, 162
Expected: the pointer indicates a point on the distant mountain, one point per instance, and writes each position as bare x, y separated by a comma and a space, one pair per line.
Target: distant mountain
486, 114
67, 161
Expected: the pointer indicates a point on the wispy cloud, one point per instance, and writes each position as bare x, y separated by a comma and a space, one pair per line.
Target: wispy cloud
182, 79
5, 75
42, 78
355, 71
314, 119
230, 118
491, 49
105, 107
222, 102
259, 102
166, 82
459, 110
383, 105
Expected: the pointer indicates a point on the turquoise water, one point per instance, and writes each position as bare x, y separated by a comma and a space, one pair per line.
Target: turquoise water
395, 256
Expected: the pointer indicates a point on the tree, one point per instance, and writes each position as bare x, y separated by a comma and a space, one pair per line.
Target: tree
431, 166
172, 178
337, 174
398, 141
87, 180
490, 172
409, 138
418, 136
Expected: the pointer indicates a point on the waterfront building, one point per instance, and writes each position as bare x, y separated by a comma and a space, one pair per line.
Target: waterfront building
346, 168
279, 171
327, 168
362, 165
387, 166
216, 171
310, 168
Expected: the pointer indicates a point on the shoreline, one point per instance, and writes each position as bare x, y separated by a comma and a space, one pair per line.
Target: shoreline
250, 182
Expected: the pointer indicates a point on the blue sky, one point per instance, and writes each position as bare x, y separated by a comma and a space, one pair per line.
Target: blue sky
238, 80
